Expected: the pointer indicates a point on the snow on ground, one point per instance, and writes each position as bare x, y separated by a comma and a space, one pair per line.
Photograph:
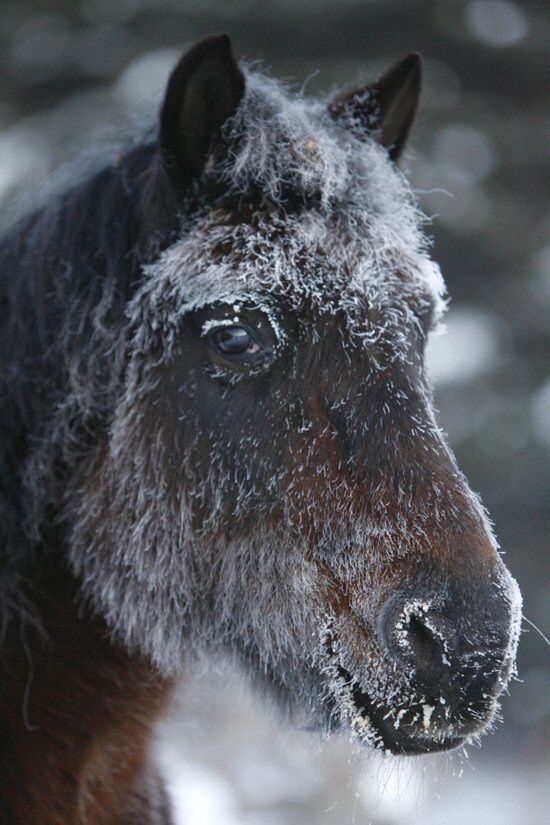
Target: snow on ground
230, 761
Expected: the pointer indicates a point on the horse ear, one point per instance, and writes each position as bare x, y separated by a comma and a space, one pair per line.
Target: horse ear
203, 91
386, 108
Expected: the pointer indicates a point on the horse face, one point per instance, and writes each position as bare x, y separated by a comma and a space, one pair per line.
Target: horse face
276, 485
338, 549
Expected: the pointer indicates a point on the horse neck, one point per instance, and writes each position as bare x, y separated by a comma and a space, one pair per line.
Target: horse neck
76, 720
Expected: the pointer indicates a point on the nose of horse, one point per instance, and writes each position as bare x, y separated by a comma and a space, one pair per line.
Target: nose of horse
419, 637
454, 656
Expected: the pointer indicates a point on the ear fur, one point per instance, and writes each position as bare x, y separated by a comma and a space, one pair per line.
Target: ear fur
203, 92
386, 108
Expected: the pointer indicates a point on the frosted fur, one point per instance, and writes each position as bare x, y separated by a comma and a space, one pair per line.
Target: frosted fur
363, 245
190, 540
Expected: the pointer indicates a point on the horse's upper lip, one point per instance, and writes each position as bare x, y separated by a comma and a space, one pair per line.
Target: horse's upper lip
401, 739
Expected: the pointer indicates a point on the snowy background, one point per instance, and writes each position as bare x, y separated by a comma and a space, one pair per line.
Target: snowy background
72, 72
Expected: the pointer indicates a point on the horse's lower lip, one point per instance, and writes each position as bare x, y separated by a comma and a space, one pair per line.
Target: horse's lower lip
405, 744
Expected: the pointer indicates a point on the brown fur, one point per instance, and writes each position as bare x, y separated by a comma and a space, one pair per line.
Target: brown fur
75, 721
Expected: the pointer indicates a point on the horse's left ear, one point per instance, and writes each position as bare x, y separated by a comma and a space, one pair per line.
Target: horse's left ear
203, 92
385, 109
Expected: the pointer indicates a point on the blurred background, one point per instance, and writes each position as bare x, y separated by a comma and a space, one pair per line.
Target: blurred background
74, 72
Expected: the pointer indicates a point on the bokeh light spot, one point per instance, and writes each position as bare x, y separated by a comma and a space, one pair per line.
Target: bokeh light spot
497, 23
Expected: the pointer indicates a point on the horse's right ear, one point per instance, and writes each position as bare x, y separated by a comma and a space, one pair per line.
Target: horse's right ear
203, 92
385, 109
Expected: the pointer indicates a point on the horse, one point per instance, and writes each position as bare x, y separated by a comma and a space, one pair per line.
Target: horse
219, 443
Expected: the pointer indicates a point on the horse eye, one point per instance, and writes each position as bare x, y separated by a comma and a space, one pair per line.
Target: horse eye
234, 341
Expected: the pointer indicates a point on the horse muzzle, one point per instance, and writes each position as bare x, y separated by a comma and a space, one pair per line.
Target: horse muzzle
457, 645
448, 652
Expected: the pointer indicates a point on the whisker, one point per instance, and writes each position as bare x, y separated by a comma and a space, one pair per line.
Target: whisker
539, 631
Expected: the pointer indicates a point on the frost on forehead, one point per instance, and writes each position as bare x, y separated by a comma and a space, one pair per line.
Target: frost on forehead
334, 221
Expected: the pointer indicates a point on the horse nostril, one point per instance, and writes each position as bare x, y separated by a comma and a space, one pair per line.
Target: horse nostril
428, 646
419, 637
